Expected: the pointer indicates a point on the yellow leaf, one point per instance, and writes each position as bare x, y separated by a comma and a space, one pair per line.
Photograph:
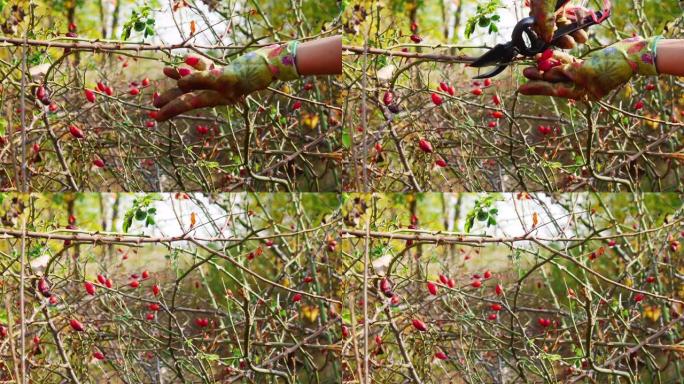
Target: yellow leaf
193, 27
193, 219
310, 120
535, 219
652, 312
310, 312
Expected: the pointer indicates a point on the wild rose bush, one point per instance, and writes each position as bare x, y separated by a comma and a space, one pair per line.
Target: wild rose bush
418, 122
88, 102
227, 289
513, 288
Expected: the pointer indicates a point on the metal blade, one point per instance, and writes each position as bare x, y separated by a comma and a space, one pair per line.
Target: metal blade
491, 73
501, 53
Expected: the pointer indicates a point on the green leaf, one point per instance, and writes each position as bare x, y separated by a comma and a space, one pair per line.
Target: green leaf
346, 140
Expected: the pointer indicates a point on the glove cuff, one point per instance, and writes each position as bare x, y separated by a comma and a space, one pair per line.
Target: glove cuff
281, 60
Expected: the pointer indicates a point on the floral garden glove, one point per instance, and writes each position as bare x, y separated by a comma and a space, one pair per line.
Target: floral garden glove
213, 86
562, 75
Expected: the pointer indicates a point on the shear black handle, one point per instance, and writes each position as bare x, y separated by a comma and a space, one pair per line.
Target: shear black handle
529, 44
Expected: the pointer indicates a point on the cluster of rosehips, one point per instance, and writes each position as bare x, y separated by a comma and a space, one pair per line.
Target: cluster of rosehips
544, 129
201, 322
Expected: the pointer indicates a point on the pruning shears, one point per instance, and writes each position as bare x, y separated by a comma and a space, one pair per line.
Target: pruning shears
524, 41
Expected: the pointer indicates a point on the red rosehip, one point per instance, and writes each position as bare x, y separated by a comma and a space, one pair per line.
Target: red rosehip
98, 355
192, 60
492, 316
145, 275
441, 355
487, 82
90, 95
451, 283
437, 99
476, 91
432, 288
145, 82
639, 105
155, 290
153, 307
387, 98
151, 124
650, 279
441, 163
487, 275
497, 114
425, 146
345, 331
419, 325
98, 163
134, 91
416, 39
150, 316
639, 297
75, 132
496, 307
444, 87
89, 287
109, 283
101, 279
134, 284
496, 99
476, 284
101, 87
76, 325
443, 279
297, 105
297, 297
184, 71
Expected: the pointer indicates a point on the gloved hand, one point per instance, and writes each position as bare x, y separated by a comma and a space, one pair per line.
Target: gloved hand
213, 86
599, 73
547, 20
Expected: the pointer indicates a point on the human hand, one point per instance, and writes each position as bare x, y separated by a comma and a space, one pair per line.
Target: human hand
211, 86
561, 75
547, 20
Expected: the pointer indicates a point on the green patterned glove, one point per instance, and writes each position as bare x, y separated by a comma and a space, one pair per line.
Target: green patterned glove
213, 86
597, 75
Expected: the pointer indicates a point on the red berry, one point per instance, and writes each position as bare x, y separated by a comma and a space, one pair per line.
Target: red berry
150, 316
639, 105
496, 99
476, 91
98, 355
496, 307
109, 91
101, 87
297, 297
151, 124
639, 297
134, 91
297, 105
451, 283
414, 27
547, 54
395, 300
90, 95
155, 290
72, 27
437, 99
492, 316
476, 284
345, 331
611, 243
109, 283
425, 146
53, 107
492, 124
101, 279
451, 90
3, 332
134, 284
98, 163
75, 132
443, 279
487, 275
89, 287
154, 307
416, 39
145, 82
650, 86
487, 82
308, 279
650, 279
441, 163
145, 275
441, 355
388, 97
497, 114
419, 325
432, 288
184, 71
43, 287
76, 325
444, 87
192, 60
546, 65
